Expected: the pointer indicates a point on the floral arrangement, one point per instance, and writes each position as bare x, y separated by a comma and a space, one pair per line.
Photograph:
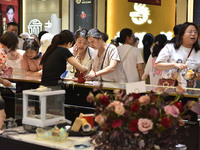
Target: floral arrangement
136, 122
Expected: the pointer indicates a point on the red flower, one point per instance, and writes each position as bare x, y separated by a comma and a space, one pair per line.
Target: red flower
166, 122
135, 107
135, 95
117, 123
104, 100
179, 106
133, 126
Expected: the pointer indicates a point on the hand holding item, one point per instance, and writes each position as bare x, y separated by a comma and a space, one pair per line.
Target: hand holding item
180, 66
81, 78
6, 83
190, 74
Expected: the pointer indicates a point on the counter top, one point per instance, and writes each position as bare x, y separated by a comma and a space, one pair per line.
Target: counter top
64, 145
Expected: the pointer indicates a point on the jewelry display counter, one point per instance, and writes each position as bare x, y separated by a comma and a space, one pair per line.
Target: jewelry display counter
75, 102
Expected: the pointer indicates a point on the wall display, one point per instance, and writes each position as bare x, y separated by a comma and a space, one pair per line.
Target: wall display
83, 14
9, 12
141, 18
152, 2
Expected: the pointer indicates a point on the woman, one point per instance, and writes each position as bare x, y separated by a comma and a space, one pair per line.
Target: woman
10, 12
8, 43
131, 57
147, 42
14, 60
55, 58
106, 66
150, 70
30, 62
82, 52
173, 57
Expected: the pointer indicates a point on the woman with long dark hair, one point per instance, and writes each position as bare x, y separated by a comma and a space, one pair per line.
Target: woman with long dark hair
150, 70
55, 57
175, 59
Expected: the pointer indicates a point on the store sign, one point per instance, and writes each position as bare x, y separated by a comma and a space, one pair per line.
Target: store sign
140, 15
151, 2
83, 14
34, 27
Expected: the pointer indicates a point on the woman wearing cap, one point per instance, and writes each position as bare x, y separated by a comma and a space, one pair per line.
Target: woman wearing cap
8, 43
150, 70
106, 66
2, 113
82, 52
30, 62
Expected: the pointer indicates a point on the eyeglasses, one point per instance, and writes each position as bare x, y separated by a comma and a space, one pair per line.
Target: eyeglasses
192, 32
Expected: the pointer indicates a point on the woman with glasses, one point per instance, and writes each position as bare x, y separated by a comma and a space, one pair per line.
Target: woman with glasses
30, 62
180, 60
82, 53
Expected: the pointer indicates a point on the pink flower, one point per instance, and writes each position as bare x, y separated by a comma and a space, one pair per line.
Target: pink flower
90, 97
104, 100
99, 119
172, 110
117, 123
119, 109
144, 125
144, 99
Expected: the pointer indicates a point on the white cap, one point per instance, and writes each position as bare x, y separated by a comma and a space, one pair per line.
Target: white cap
24, 35
45, 41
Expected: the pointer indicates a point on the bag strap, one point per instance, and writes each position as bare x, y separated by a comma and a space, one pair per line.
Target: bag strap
188, 55
124, 58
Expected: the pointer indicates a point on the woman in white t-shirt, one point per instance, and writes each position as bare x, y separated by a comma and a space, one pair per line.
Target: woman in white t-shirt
131, 58
106, 66
14, 59
82, 53
173, 57
150, 70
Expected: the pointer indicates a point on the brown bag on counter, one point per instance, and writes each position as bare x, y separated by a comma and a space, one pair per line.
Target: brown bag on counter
167, 82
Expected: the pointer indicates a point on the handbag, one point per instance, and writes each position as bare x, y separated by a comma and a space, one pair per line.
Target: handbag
172, 82
167, 82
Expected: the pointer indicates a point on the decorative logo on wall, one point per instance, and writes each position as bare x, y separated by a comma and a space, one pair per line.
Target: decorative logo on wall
34, 27
83, 15
141, 14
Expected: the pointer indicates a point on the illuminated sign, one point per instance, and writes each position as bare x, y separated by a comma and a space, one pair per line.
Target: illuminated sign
141, 14
34, 27
151, 2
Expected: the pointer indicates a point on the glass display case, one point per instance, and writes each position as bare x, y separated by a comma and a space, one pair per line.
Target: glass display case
43, 108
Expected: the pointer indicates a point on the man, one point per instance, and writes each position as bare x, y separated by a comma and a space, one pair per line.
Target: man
13, 27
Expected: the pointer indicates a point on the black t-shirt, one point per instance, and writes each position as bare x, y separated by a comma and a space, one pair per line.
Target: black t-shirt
54, 66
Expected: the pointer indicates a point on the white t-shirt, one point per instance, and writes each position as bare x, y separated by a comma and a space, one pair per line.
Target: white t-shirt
15, 64
99, 63
130, 63
170, 55
150, 70
87, 62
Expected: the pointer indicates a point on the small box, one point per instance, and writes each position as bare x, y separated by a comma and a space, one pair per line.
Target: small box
45, 108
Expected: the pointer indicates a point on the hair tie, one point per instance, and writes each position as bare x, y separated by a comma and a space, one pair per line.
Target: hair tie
157, 43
